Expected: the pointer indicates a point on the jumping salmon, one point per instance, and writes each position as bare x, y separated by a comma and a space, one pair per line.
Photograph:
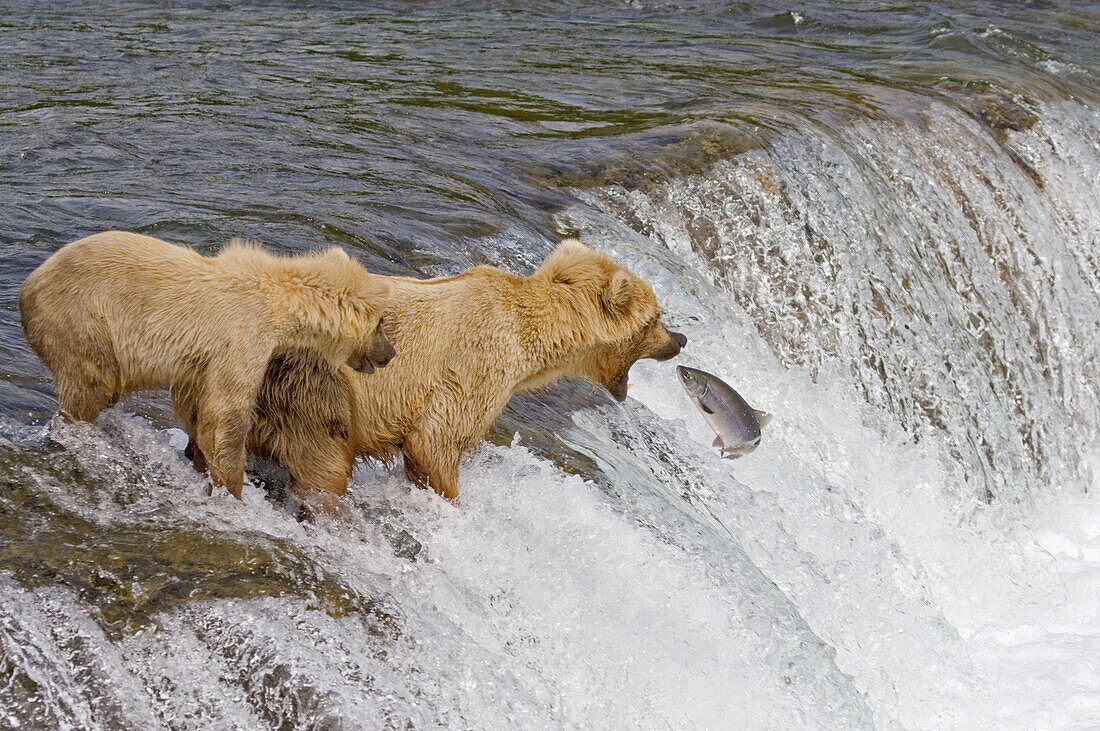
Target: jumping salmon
735, 422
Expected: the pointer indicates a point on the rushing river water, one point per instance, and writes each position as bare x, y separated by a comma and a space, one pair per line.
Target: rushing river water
878, 222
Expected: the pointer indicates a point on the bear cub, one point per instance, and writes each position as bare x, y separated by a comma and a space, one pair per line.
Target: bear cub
118, 312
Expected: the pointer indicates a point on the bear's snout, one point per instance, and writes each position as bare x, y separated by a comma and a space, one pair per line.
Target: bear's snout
377, 355
381, 351
671, 348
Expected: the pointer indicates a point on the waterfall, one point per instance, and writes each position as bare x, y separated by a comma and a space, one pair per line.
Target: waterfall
950, 274
916, 298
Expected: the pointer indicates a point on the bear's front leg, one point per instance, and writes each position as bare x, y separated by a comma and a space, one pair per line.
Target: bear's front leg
222, 440
432, 465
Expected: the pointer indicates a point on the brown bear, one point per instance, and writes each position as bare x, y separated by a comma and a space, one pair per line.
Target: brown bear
464, 345
118, 312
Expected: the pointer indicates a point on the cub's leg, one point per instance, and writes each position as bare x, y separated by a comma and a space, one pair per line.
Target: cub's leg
74, 345
223, 423
221, 440
432, 465
319, 460
83, 399
87, 376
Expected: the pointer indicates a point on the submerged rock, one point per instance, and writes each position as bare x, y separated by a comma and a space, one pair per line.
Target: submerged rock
993, 108
999, 111
655, 159
131, 573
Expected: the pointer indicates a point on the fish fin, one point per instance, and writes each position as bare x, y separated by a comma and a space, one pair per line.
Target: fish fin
731, 455
705, 409
763, 418
718, 443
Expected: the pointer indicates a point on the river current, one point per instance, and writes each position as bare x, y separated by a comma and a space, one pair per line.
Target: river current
878, 222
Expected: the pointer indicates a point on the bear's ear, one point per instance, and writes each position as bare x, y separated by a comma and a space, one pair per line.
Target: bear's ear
618, 295
572, 263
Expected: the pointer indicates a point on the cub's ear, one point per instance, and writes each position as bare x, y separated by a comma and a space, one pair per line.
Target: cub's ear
373, 292
335, 253
618, 295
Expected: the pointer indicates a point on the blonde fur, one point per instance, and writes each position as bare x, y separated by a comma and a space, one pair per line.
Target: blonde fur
117, 312
465, 344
